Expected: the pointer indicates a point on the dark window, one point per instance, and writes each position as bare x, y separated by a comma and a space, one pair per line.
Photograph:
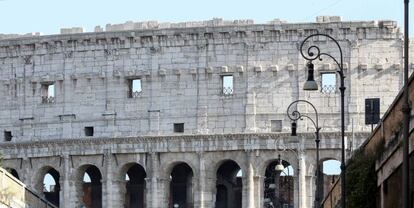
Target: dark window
134, 88
227, 85
89, 131
179, 127
8, 136
48, 93
276, 125
372, 111
328, 82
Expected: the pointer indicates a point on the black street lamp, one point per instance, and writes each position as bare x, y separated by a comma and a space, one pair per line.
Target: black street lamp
312, 53
294, 115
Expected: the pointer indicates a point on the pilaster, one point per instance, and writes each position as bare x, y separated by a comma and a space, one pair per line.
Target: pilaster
302, 181
65, 196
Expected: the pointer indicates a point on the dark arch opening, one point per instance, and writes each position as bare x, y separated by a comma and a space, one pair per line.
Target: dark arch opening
92, 187
279, 185
135, 187
13, 172
229, 185
51, 186
181, 187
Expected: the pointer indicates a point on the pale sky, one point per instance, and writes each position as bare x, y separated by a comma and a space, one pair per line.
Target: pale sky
48, 16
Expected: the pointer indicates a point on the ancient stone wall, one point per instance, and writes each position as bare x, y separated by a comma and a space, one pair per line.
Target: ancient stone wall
181, 73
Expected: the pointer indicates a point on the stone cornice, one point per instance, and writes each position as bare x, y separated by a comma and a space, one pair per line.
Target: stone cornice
157, 35
171, 143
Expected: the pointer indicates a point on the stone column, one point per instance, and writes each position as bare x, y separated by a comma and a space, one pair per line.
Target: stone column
209, 189
107, 192
248, 187
302, 180
152, 185
164, 192
200, 200
64, 196
119, 192
158, 186
259, 186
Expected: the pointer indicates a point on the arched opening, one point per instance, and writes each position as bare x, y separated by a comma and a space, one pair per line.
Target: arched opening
51, 186
135, 187
331, 170
91, 187
229, 185
181, 187
13, 172
279, 185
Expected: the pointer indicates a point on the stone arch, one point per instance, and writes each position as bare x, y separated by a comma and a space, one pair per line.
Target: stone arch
42, 181
168, 167
133, 186
330, 168
89, 186
13, 172
264, 165
278, 186
334, 163
229, 185
181, 186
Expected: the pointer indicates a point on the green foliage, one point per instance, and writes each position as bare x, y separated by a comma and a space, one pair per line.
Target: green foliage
361, 180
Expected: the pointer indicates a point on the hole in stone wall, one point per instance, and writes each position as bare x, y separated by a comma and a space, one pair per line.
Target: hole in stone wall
48, 92
229, 185
227, 85
181, 188
135, 187
134, 88
92, 188
51, 186
89, 131
8, 136
178, 127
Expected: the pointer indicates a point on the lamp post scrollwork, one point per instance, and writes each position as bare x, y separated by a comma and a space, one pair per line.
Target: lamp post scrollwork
311, 53
294, 115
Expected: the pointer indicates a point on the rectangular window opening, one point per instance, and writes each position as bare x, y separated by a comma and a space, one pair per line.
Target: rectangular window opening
276, 125
8, 136
134, 88
227, 85
48, 93
178, 127
328, 82
89, 131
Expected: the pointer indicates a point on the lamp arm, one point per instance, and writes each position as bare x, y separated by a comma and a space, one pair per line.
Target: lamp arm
296, 115
314, 52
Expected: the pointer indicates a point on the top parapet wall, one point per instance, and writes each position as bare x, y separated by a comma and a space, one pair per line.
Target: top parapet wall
324, 24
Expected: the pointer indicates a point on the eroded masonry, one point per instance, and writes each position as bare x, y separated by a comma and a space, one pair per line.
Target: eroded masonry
186, 115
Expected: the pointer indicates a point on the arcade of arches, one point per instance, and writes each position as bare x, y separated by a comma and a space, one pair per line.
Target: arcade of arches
231, 179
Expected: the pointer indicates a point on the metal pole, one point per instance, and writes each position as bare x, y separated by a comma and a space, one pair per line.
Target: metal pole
406, 115
318, 171
343, 166
294, 116
313, 53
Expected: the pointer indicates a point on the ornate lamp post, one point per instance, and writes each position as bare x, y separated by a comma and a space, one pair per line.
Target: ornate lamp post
294, 115
312, 53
